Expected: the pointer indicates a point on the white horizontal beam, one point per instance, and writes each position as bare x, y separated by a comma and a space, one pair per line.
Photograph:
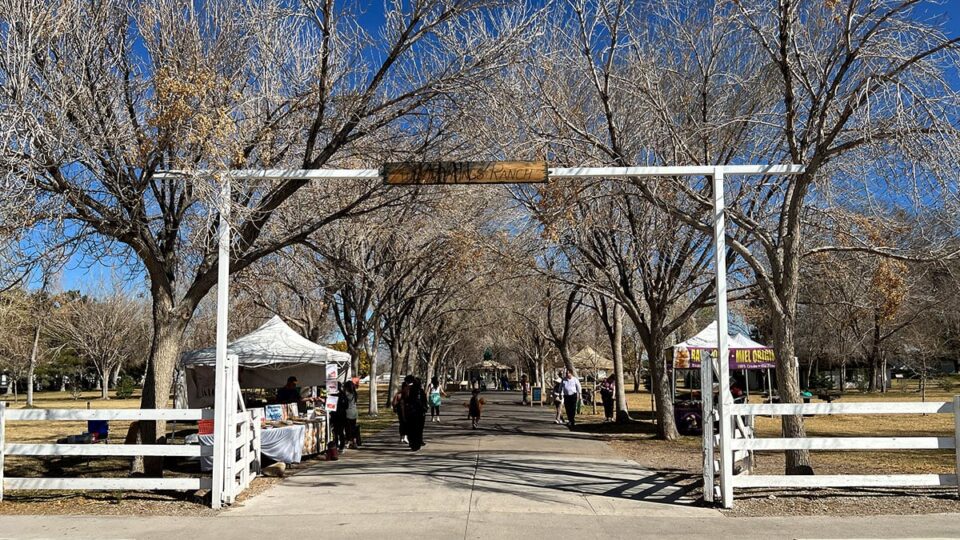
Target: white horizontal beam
887, 407
171, 450
694, 170
174, 484
846, 443
108, 414
555, 172
844, 480
281, 174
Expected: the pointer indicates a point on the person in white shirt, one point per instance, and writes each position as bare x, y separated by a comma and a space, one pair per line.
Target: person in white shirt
571, 396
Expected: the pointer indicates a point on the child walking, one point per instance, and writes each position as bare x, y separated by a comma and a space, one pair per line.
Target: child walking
475, 408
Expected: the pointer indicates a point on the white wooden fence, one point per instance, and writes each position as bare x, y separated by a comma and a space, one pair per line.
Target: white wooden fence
245, 465
242, 470
749, 444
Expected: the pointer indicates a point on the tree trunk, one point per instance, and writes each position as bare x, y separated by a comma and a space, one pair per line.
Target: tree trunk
396, 366
883, 373
104, 383
543, 382
32, 367
567, 359
115, 376
636, 377
374, 407
788, 386
355, 361
432, 359
660, 377
63, 383
164, 351
623, 414
874, 353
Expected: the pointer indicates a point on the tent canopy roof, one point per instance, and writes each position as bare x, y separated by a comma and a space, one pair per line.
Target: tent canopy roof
273, 345
490, 364
588, 358
707, 339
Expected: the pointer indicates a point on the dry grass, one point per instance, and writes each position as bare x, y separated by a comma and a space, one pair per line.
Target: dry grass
370, 425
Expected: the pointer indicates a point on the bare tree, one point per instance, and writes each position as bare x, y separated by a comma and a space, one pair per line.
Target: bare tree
227, 84
104, 332
798, 82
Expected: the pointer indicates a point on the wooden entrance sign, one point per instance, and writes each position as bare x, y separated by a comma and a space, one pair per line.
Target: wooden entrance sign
464, 172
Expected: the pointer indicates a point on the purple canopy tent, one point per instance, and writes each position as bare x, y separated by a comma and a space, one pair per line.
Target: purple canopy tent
745, 354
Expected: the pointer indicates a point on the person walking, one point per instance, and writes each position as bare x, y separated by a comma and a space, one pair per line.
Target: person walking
571, 397
608, 389
434, 398
398, 408
525, 390
415, 413
475, 409
558, 399
350, 429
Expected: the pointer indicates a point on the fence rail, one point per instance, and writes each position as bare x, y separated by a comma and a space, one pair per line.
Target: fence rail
185, 415
97, 450
733, 413
887, 407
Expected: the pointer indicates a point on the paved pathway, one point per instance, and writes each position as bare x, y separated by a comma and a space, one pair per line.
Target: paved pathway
517, 476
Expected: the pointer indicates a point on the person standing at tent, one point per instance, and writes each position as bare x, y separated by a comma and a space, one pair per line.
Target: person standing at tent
348, 399
434, 397
571, 397
414, 408
608, 389
289, 393
338, 420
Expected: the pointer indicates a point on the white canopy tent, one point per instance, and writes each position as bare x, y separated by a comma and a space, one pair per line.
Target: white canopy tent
590, 360
707, 339
266, 357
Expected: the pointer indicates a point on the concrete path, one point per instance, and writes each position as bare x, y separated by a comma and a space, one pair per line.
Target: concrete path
517, 476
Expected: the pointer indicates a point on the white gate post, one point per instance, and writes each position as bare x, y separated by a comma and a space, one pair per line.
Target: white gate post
3, 441
723, 353
956, 439
221, 388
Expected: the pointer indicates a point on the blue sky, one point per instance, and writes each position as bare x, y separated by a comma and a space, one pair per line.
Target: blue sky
87, 276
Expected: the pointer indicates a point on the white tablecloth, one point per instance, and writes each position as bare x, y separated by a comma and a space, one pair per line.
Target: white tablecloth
283, 444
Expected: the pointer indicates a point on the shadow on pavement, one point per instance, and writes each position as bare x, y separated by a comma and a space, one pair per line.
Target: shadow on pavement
532, 467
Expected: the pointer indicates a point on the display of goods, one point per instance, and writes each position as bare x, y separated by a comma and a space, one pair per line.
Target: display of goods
205, 427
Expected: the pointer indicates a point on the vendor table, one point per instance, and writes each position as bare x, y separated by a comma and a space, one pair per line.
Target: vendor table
286, 444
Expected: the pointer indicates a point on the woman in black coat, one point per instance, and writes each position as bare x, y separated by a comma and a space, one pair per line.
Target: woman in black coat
415, 412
